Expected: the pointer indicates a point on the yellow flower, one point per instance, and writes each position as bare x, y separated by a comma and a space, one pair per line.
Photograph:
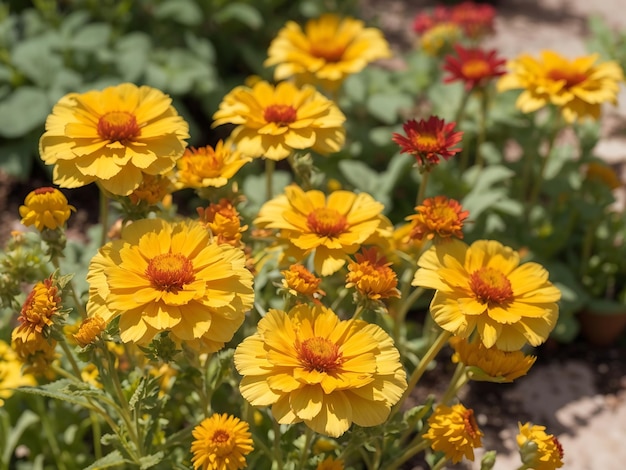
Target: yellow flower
208, 167
438, 218
453, 430
11, 376
490, 364
372, 276
538, 450
40, 307
439, 39
330, 463
45, 208
221, 442
604, 174
90, 328
331, 227
310, 366
298, 280
224, 222
112, 136
152, 190
170, 277
328, 50
272, 122
577, 87
35, 351
483, 287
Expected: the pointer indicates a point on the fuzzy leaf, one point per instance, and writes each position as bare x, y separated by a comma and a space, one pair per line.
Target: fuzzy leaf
23, 111
114, 459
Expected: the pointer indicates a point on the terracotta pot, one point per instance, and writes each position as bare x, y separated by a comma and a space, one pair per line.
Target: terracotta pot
602, 328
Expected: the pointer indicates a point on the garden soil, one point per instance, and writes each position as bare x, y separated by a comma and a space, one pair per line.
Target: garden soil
578, 391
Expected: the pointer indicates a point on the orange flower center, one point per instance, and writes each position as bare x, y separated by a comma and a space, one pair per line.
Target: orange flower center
571, 77
44, 190
475, 69
118, 126
319, 354
280, 114
324, 50
471, 427
327, 222
426, 142
490, 285
222, 441
170, 271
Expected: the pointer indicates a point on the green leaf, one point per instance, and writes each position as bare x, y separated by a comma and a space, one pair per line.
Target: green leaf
132, 55
63, 390
185, 12
16, 157
114, 459
36, 59
150, 461
359, 174
23, 111
240, 12
27, 418
386, 106
91, 37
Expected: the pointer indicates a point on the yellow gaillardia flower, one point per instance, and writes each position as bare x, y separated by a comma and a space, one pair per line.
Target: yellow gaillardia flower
223, 220
310, 366
45, 208
112, 137
438, 218
40, 307
453, 430
328, 50
89, 329
331, 227
152, 190
490, 364
601, 172
221, 442
272, 122
11, 376
329, 463
539, 450
440, 38
372, 276
483, 287
208, 166
298, 280
36, 352
578, 87
170, 277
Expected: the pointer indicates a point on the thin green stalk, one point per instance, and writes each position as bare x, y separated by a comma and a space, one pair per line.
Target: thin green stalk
359, 310
104, 216
440, 463
270, 165
308, 436
482, 130
459, 378
587, 247
407, 303
421, 193
277, 454
464, 161
417, 445
50, 435
432, 352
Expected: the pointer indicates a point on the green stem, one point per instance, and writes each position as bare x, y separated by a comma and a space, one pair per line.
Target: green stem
587, 247
308, 436
432, 352
482, 130
277, 454
422, 189
407, 304
270, 165
417, 445
464, 162
459, 378
359, 310
440, 463
50, 435
104, 216
538, 181
70, 286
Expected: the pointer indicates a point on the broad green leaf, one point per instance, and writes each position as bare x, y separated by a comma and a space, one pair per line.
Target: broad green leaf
150, 461
132, 55
36, 59
23, 111
27, 418
240, 12
386, 106
63, 390
185, 12
91, 37
114, 459
16, 157
359, 174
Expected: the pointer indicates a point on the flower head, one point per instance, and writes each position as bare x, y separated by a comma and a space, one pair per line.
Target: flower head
331, 227
89, 329
152, 190
170, 277
208, 166
272, 122
453, 430
475, 19
34, 351
45, 208
223, 220
428, 141
11, 376
328, 50
440, 38
40, 308
578, 88
483, 287
602, 173
329, 463
221, 442
372, 276
310, 366
437, 218
112, 136
475, 67
490, 364
298, 280
539, 450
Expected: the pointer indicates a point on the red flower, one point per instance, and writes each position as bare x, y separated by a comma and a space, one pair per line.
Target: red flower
424, 21
473, 66
429, 140
476, 19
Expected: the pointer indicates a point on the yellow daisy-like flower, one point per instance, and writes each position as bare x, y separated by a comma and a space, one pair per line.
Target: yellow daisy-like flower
272, 122
310, 366
89, 329
328, 50
490, 364
45, 208
577, 87
483, 287
298, 280
170, 277
208, 166
35, 351
331, 227
372, 276
438, 218
221, 443
40, 307
329, 463
112, 136
11, 376
539, 450
152, 190
453, 430
224, 222
440, 38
